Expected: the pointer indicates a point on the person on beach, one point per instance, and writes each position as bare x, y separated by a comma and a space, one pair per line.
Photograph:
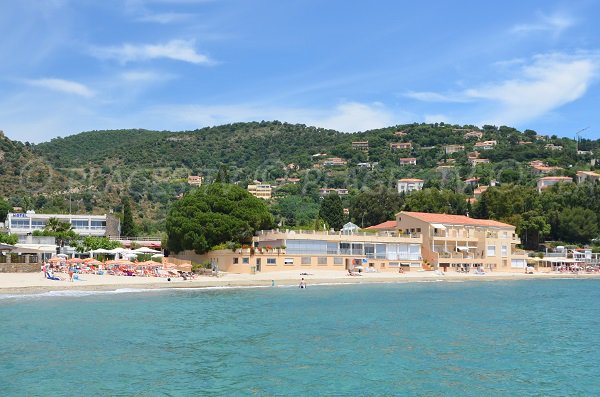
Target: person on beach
302, 283
71, 271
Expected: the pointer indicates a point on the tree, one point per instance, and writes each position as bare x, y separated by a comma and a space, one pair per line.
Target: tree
214, 214
332, 211
127, 227
5, 208
372, 207
577, 225
90, 243
532, 227
61, 231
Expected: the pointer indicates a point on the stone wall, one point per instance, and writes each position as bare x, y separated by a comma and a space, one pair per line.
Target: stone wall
20, 267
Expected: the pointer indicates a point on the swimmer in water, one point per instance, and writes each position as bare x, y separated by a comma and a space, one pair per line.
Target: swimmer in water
302, 283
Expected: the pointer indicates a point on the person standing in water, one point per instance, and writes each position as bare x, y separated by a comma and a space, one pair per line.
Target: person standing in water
302, 283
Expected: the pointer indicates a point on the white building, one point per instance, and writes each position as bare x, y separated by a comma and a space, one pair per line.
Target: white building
85, 225
408, 185
263, 191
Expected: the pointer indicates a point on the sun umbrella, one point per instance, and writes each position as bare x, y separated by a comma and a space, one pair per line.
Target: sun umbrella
146, 250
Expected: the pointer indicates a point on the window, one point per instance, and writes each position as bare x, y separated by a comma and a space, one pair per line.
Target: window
245, 261
394, 264
98, 224
37, 224
19, 223
306, 247
288, 261
345, 249
236, 261
79, 223
504, 250
338, 261
271, 261
305, 260
322, 260
504, 234
418, 230
491, 250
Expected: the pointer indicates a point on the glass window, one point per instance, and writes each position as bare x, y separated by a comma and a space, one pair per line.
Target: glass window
271, 261
491, 250
236, 261
322, 260
338, 261
394, 264
345, 249
301, 247
380, 251
98, 224
288, 261
245, 261
306, 260
19, 223
370, 250
79, 223
504, 250
332, 248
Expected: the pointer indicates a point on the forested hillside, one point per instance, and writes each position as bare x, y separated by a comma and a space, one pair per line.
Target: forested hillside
99, 168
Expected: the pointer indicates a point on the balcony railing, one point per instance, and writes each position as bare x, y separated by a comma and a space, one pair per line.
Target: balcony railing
336, 233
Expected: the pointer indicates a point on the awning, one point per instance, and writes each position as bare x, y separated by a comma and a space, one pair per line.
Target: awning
34, 248
438, 226
460, 248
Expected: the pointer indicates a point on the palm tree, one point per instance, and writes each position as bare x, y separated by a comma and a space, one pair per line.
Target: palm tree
62, 231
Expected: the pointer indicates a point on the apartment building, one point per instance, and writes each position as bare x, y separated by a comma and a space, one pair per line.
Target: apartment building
457, 241
408, 161
401, 146
263, 191
449, 149
23, 224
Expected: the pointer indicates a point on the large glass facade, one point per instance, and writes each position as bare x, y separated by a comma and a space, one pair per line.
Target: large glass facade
388, 251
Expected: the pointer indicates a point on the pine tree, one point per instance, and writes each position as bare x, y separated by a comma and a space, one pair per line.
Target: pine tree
332, 211
127, 227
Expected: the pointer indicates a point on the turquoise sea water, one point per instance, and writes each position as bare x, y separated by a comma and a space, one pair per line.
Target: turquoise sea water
519, 338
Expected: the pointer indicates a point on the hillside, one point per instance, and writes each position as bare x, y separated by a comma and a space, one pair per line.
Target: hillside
100, 167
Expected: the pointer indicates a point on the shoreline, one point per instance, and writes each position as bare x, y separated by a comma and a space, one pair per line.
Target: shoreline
33, 283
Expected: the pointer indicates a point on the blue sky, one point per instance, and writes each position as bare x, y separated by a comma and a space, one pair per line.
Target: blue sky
75, 65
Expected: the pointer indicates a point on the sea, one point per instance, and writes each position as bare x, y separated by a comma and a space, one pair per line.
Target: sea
501, 338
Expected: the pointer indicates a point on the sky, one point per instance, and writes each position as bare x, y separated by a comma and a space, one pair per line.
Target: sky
68, 66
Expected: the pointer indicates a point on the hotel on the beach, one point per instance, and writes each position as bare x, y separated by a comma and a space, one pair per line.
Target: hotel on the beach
413, 241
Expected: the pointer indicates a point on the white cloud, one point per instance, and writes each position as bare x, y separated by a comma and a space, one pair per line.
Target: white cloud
346, 117
555, 23
549, 82
179, 50
164, 18
536, 88
66, 86
146, 76
428, 96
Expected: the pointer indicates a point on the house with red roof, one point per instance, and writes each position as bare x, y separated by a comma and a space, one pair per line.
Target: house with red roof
463, 243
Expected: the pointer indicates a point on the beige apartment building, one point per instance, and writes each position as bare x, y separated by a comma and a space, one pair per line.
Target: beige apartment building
457, 241
303, 250
414, 241
263, 191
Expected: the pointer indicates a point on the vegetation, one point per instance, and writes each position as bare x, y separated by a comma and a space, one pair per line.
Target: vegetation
10, 239
127, 226
332, 211
90, 243
93, 171
215, 214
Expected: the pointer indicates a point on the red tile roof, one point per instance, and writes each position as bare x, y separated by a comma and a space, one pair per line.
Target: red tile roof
453, 219
383, 226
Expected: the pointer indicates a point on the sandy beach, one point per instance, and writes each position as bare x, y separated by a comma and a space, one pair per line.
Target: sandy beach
26, 283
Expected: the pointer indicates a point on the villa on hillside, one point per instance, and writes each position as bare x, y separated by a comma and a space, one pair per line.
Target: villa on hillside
360, 145
195, 180
475, 161
552, 146
486, 145
473, 134
325, 191
543, 169
449, 149
261, 190
587, 176
408, 185
408, 161
334, 162
401, 146
547, 181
